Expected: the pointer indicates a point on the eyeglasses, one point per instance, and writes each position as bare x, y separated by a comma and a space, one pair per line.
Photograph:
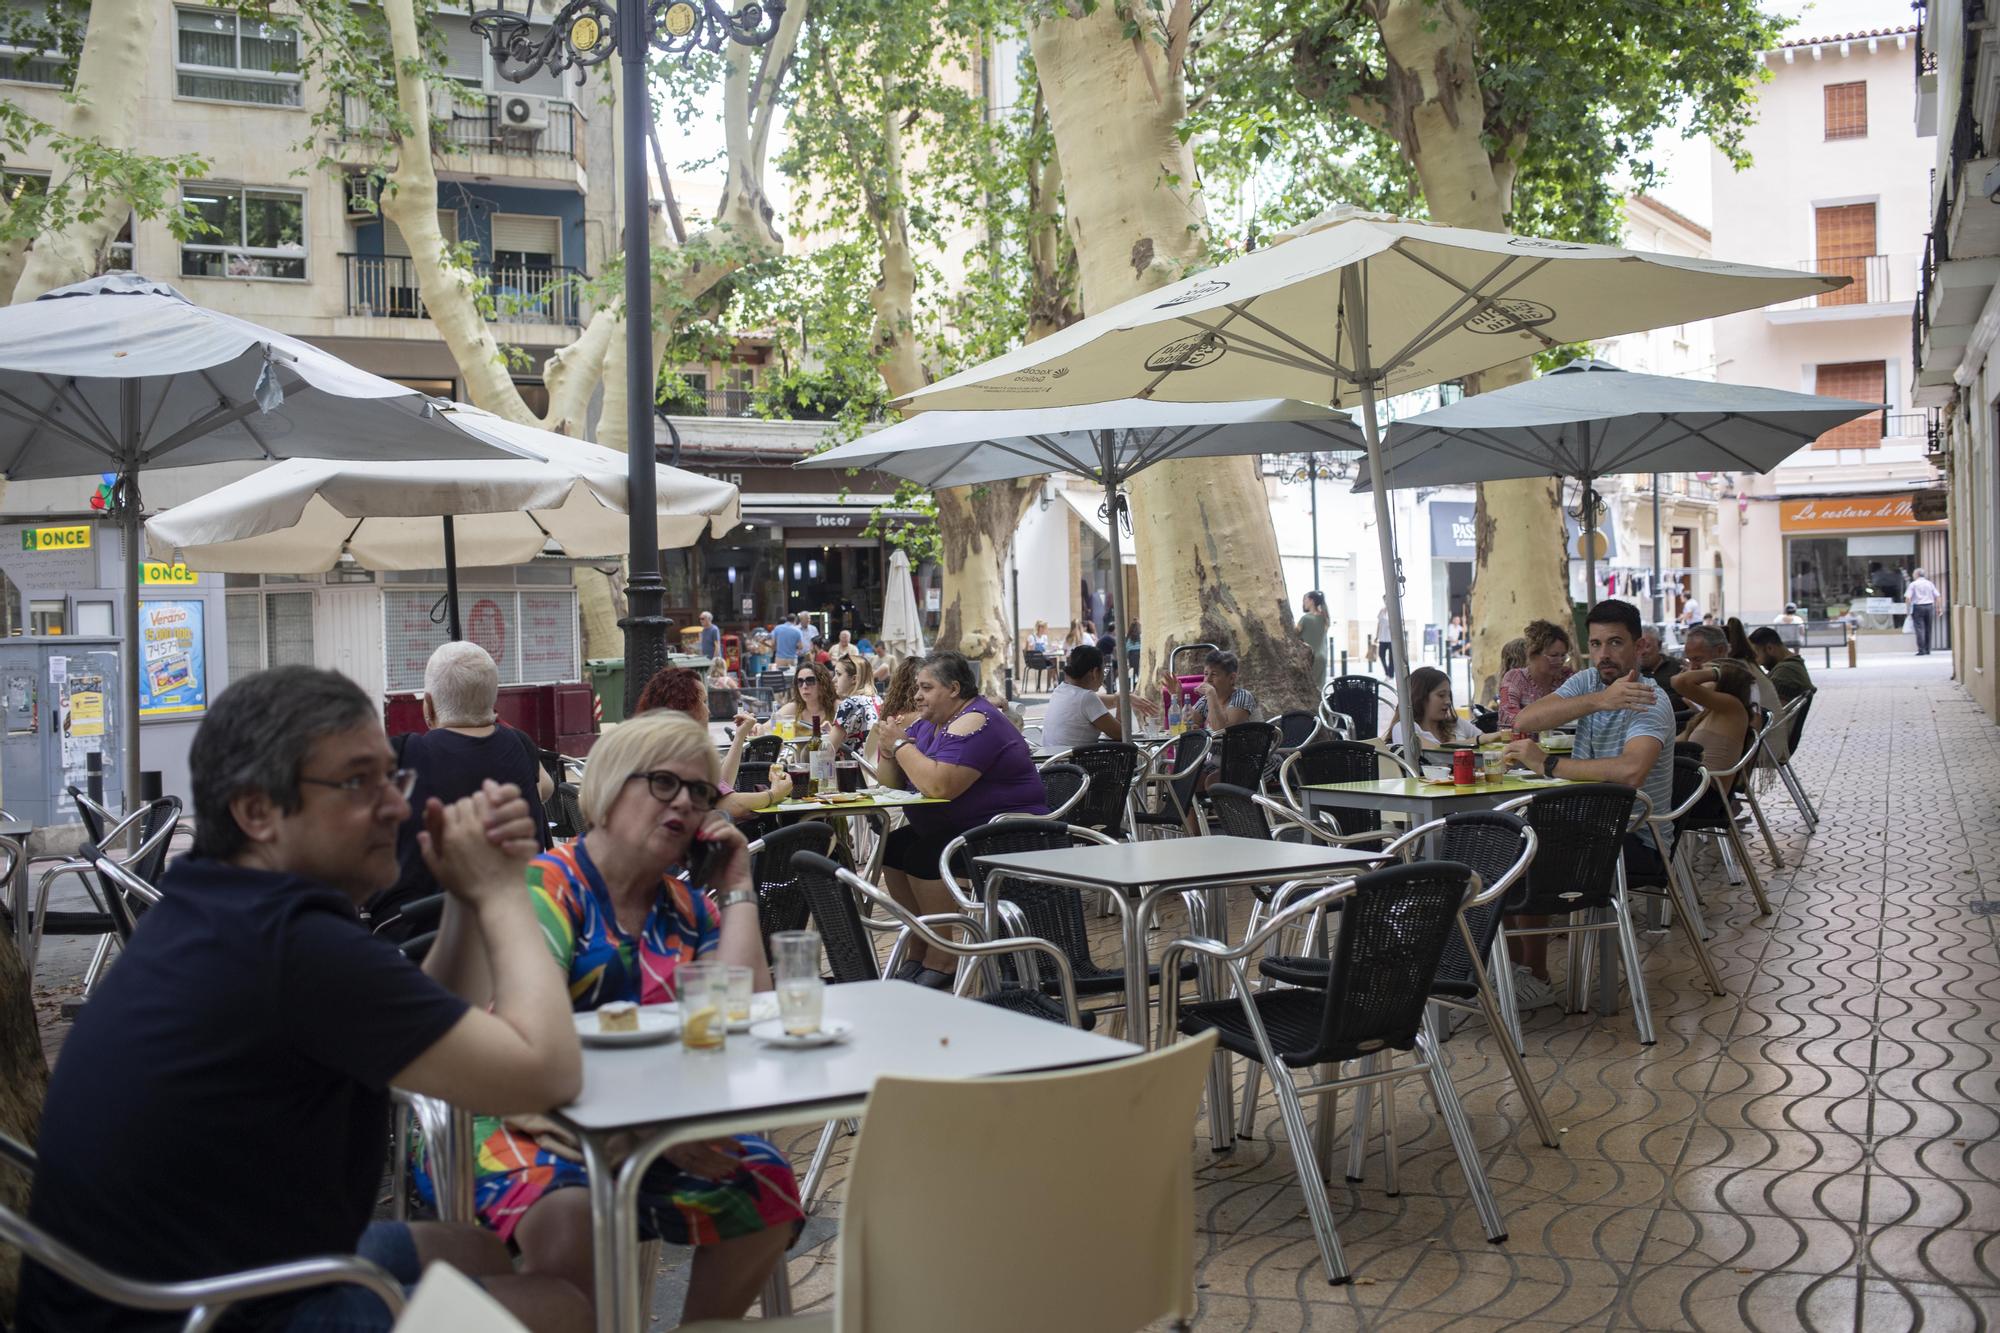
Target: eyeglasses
804, 681
665, 786
404, 780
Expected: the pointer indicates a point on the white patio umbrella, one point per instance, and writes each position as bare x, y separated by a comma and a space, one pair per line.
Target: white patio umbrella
1107, 442
1354, 307
1590, 419
302, 515
902, 620
125, 375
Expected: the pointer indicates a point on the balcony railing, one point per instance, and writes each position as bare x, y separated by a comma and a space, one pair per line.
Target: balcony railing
466, 126
1907, 426
386, 285
1875, 278
711, 403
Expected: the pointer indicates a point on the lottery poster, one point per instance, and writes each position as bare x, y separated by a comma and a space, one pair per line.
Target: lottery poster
173, 675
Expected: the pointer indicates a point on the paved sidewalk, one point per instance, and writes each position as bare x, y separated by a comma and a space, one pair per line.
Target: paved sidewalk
1818, 1150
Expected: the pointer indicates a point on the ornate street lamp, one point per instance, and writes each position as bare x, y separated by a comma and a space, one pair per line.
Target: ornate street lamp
583, 33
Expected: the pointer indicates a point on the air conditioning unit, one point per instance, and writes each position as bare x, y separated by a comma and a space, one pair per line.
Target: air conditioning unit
524, 113
363, 192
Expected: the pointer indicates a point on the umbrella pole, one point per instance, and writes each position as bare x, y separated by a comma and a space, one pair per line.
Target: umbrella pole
1590, 597
1364, 374
1104, 447
451, 576
128, 495
1659, 592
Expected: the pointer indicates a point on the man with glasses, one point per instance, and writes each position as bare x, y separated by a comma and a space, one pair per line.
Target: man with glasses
222, 1103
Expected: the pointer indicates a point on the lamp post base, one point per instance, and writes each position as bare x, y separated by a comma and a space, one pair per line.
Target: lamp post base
646, 644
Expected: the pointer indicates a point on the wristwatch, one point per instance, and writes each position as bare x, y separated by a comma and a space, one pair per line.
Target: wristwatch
1549, 765
897, 748
725, 901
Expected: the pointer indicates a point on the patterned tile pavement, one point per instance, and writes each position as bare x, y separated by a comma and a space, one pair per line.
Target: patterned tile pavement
1818, 1150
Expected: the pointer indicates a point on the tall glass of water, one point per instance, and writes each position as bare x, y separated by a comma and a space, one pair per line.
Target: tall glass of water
801, 989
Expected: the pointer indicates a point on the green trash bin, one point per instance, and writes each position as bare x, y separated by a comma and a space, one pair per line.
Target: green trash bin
607, 677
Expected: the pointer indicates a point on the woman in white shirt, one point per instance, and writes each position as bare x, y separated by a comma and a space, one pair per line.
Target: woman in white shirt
1080, 712
1439, 727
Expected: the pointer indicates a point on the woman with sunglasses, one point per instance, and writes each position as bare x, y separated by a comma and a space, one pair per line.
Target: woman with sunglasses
812, 699
622, 910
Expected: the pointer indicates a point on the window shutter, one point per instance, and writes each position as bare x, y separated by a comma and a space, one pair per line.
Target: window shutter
1844, 241
1862, 381
464, 49
394, 244
528, 235
1847, 110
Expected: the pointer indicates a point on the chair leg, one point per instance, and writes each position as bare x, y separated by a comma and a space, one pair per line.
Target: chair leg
1319, 1209
1579, 966
97, 962
775, 1300
1797, 791
1357, 1134
1731, 867
1391, 1178
1764, 826
1500, 970
1687, 916
1735, 840
1446, 1097
1635, 978
809, 1187
1505, 1037
1246, 1119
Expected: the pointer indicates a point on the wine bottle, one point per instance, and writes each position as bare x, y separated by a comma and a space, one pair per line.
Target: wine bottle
821, 762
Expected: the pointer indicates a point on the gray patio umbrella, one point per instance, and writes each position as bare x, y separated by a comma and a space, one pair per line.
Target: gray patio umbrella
1107, 442
1590, 419
122, 374
1356, 306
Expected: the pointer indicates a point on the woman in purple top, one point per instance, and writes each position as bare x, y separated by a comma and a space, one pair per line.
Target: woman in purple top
964, 750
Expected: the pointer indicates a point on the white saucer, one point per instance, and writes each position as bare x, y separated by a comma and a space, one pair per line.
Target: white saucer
773, 1033
656, 1023
763, 1008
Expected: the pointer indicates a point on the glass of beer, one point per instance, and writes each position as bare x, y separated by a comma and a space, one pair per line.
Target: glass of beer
801, 989
703, 992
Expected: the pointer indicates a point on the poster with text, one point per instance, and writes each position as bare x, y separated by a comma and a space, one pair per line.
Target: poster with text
173, 671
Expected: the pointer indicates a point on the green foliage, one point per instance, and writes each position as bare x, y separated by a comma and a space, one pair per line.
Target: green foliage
1576, 94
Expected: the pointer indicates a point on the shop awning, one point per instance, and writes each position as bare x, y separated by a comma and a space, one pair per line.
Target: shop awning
817, 511
1086, 504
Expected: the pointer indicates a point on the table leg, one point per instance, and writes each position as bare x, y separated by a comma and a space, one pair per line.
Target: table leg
610, 1279
1221, 1121
1138, 1010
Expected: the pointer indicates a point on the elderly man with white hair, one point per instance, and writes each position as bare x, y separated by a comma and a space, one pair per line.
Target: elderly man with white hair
467, 743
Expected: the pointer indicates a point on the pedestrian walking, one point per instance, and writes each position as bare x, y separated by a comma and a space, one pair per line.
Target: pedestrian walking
709, 642
1312, 628
1385, 645
1923, 596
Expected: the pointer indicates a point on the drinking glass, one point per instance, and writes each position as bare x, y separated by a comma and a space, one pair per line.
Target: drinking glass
742, 985
1496, 764
703, 992
801, 989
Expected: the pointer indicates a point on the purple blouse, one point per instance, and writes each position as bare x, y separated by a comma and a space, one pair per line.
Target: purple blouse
1008, 780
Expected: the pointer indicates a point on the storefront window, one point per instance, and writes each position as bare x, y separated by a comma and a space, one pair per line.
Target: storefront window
841, 583
1828, 574
744, 569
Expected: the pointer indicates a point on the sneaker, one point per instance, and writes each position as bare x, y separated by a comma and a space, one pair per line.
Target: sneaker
1530, 991
908, 971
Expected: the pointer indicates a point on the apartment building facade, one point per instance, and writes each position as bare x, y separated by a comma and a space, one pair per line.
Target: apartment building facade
1837, 184
297, 244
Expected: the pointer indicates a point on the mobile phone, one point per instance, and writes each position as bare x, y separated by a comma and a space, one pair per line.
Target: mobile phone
700, 862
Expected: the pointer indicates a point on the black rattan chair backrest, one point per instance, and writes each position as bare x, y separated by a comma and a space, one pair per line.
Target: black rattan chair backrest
781, 900
1392, 936
565, 812
1485, 718
1360, 698
1237, 811
849, 951
1060, 782
1489, 842
1295, 727
1712, 811
1245, 749
89, 812
1111, 766
1052, 912
1799, 720
753, 767
1580, 833
1341, 761
158, 815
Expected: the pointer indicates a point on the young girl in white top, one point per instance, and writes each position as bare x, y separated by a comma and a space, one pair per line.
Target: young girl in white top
1439, 727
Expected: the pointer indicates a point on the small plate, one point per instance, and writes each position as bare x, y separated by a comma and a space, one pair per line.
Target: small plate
772, 1033
657, 1023
763, 1008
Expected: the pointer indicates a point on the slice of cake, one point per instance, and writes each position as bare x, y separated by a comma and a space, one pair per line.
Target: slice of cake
618, 1016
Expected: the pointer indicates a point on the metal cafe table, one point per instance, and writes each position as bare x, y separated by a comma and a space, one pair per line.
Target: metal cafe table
1209, 865
874, 801
1423, 800
651, 1098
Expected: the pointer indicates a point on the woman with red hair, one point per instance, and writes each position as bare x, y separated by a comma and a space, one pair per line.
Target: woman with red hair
678, 690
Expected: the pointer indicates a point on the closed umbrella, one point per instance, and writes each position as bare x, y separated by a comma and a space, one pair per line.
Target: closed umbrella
303, 515
1590, 419
902, 622
124, 375
1107, 442
1355, 307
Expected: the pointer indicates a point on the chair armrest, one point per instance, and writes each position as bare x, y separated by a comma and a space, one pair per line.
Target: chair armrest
1170, 991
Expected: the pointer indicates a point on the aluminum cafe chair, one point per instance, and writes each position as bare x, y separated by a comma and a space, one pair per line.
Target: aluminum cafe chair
1693, 785
1113, 767
203, 1300
1578, 873
1793, 718
1165, 795
151, 827
1359, 701
1475, 975
1395, 924
1339, 761
1713, 819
